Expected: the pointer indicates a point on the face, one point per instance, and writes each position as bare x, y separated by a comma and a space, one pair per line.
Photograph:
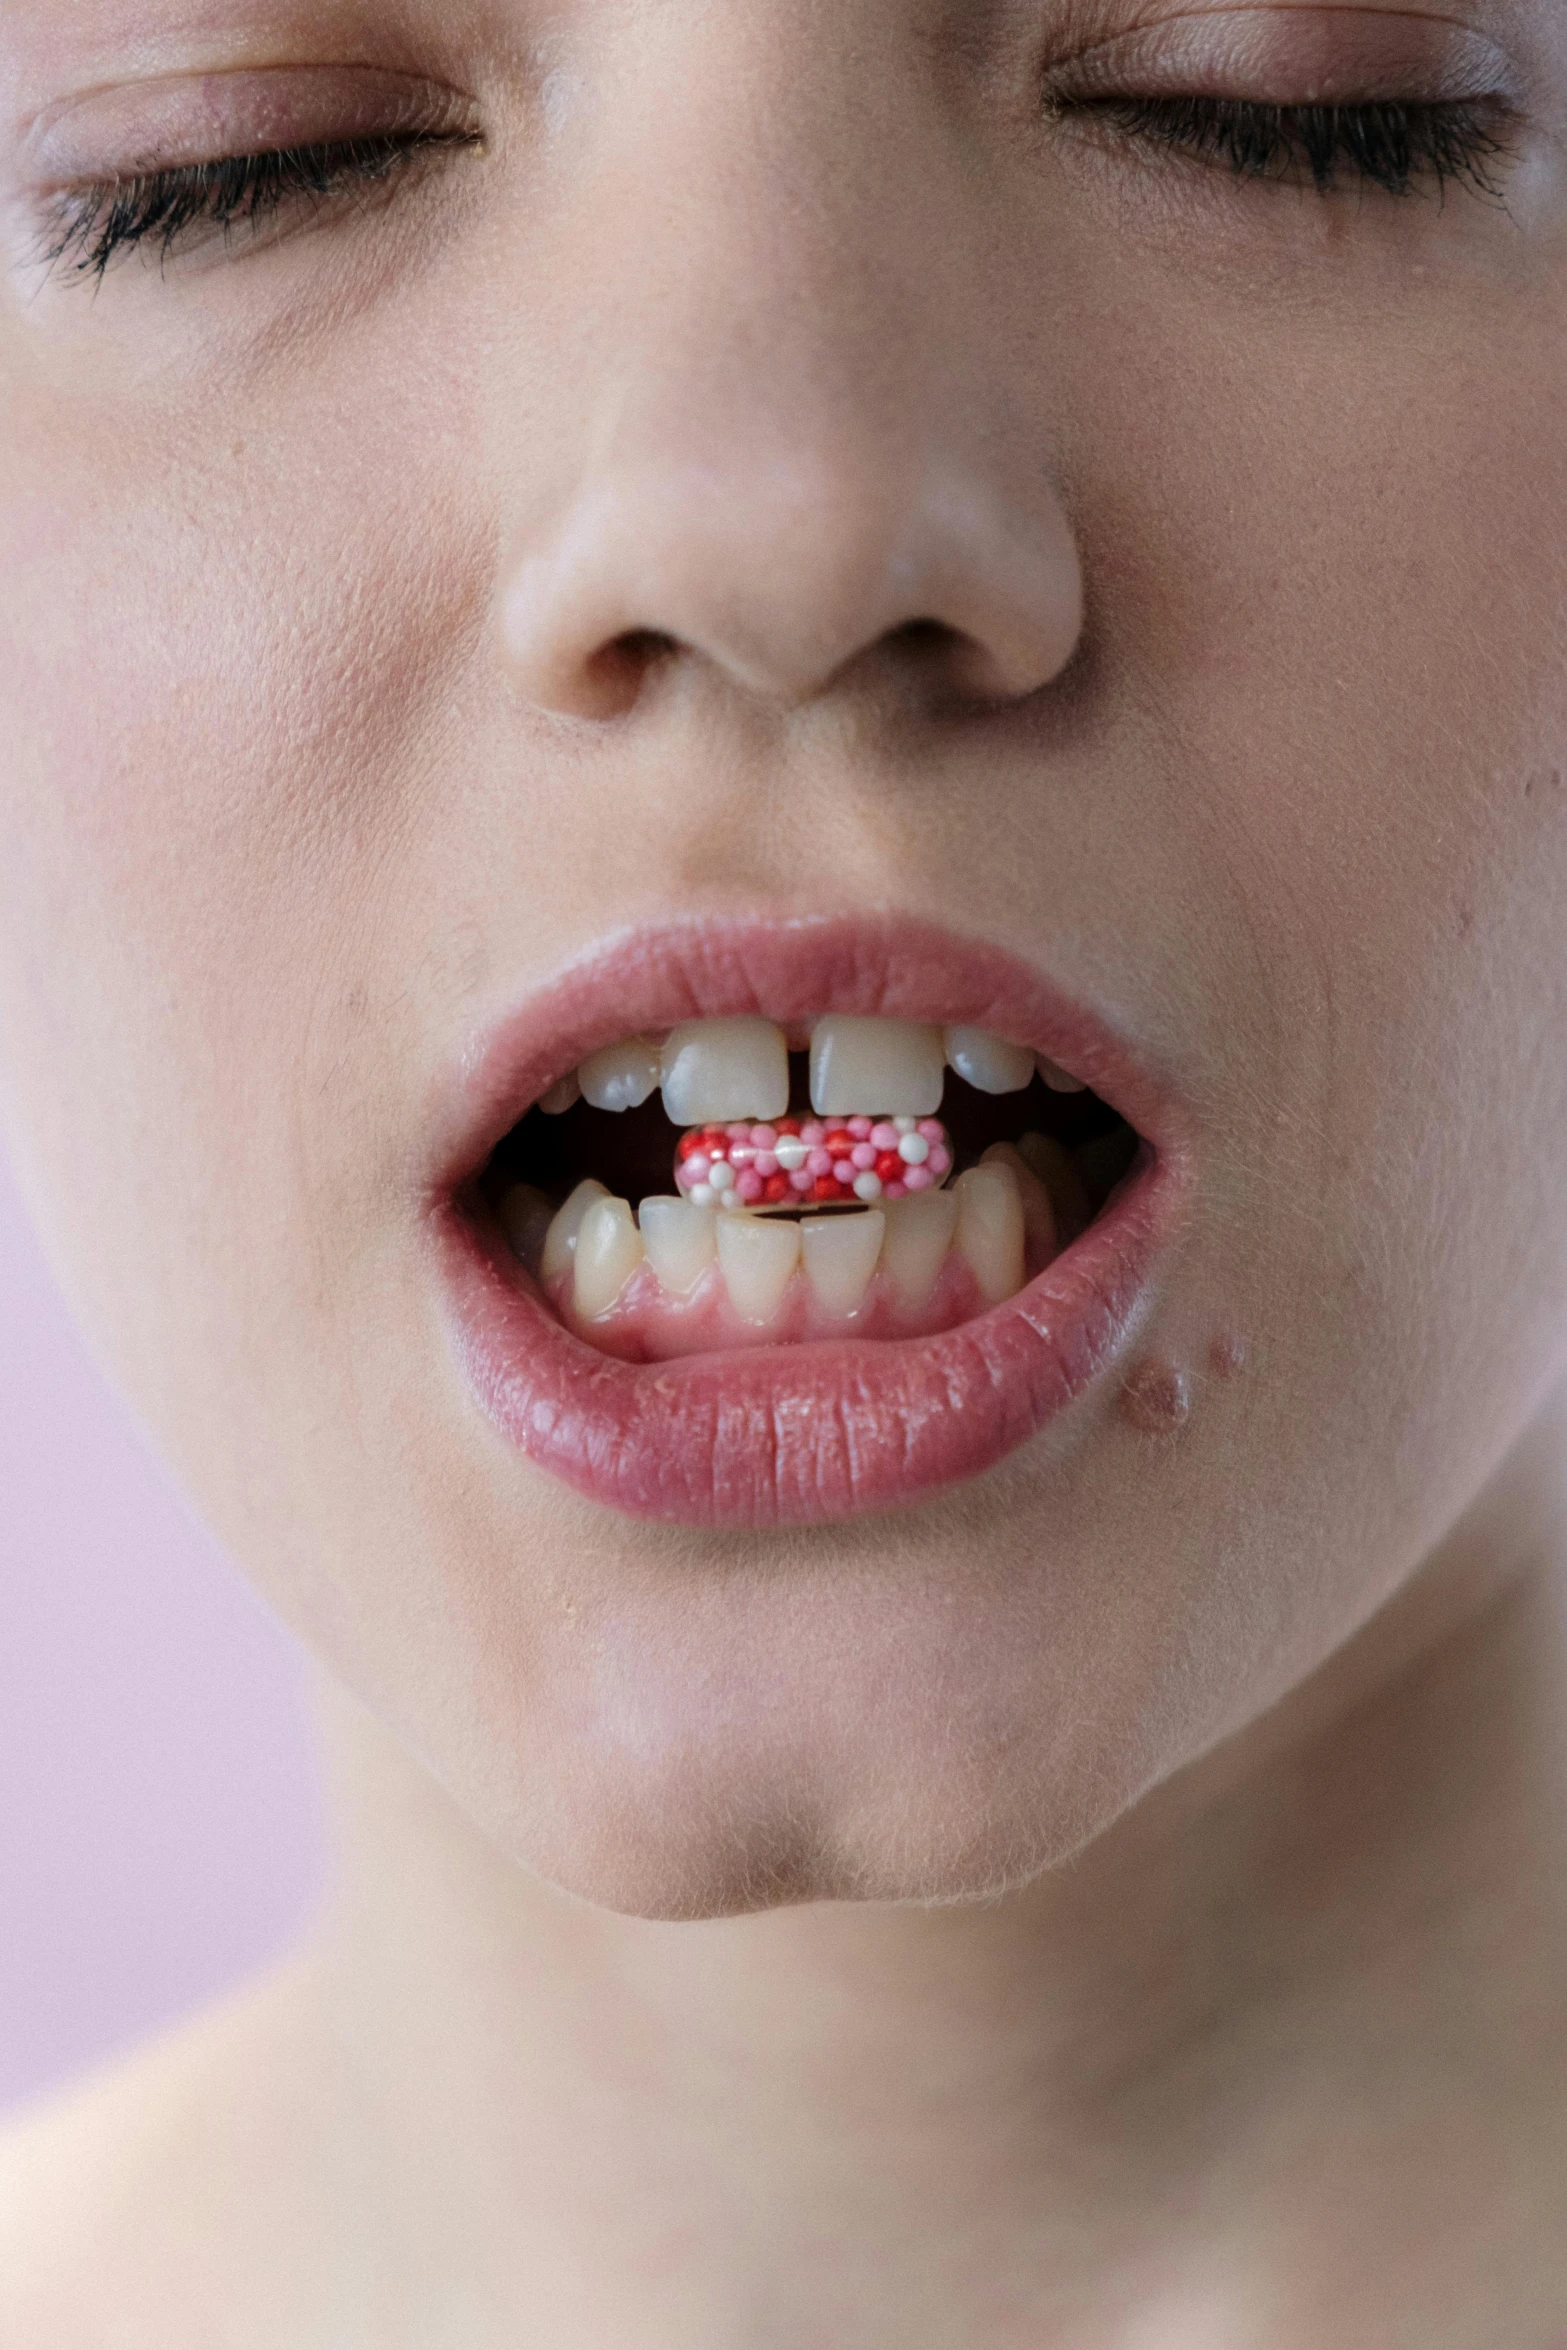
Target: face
644, 539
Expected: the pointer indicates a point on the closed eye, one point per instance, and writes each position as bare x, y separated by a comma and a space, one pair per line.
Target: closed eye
1393, 145
96, 224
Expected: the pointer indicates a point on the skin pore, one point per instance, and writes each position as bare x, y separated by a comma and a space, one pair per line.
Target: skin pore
663, 463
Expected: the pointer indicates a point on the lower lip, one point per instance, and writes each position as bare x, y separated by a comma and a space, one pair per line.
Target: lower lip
803, 1435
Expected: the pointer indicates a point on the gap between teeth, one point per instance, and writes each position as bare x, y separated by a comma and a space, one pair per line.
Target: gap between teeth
996, 1218
711, 1071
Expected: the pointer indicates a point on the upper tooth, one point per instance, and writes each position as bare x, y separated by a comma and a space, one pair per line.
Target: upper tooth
841, 1254
990, 1229
609, 1250
714, 1070
560, 1242
1058, 1079
680, 1241
622, 1077
757, 1259
988, 1062
561, 1095
919, 1234
890, 1067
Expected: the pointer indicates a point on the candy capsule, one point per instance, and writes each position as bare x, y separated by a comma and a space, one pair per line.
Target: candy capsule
803, 1163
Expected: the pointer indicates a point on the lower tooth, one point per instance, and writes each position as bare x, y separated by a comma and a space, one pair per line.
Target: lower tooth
919, 1234
1039, 1222
841, 1254
681, 1241
526, 1217
990, 1230
609, 1250
560, 1242
757, 1259
1052, 1162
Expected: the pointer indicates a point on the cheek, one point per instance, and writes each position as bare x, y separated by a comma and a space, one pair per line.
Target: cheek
218, 668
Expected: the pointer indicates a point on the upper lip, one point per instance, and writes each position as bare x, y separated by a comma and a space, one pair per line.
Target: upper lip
789, 970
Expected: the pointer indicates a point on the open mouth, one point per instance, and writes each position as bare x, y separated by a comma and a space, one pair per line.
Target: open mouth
760, 1223
736, 1183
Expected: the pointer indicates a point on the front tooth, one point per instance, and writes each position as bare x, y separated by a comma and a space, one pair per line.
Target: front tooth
1039, 1222
757, 1258
883, 1067
609, 1250
622, 1077
990, 1230
987, 1062
681, 1241
560, 1242
919, 1234
841, 1254
714, 1070
526, 1217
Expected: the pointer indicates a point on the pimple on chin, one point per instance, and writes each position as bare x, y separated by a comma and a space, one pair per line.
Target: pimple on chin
1155, 1398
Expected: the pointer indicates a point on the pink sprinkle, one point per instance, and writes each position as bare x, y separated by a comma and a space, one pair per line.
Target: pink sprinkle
765, 1163
845, 1170
940, 1160
917, 1179
750, 1186
885, 1137
895, 1191
697, 1168
740, 1154
864, 1155
819, 1163
764, 1137
740, 1132
813, 1134
932, 1129
802, 1179
860, 1129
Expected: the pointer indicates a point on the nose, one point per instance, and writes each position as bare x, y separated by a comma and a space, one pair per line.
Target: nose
793, 450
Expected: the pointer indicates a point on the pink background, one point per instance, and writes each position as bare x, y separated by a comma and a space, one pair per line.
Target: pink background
160, 1828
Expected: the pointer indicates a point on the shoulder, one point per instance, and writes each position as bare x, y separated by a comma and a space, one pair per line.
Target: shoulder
160, 2206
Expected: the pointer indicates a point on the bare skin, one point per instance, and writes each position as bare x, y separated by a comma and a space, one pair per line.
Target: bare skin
767, 464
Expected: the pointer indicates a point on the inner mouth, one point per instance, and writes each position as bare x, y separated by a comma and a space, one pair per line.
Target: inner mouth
735, 1183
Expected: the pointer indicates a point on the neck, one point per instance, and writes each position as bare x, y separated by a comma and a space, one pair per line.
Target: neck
1101, 2095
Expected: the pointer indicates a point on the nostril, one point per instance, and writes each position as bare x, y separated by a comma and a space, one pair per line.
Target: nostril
923, 636
614, 676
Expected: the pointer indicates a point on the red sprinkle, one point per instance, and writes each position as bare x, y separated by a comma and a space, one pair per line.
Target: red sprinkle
778, 1187
825, 1187
890, 1167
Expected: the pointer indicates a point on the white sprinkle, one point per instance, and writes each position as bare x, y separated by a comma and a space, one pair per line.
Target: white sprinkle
704, 1196
867, 1186
722, 1177
905, 1125
914, 1150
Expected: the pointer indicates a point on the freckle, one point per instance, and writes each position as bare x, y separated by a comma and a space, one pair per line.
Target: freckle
1156, 1398
1228, 1355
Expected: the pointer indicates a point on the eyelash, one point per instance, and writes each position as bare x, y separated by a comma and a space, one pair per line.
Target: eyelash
96, 224
1393, 145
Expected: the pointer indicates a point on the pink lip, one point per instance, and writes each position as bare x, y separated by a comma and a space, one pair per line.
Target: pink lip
805, 1434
